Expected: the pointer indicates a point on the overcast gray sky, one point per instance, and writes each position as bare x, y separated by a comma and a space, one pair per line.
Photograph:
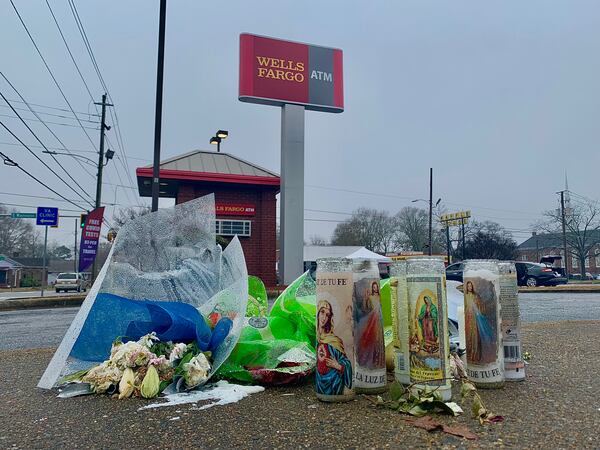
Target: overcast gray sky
500, 98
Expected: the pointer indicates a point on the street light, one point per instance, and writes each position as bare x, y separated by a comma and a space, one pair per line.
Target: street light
430, 207
219, 136
109, 155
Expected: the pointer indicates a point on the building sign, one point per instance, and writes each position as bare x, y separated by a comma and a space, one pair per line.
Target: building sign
90, 236
223, 209
275, 72
455, 219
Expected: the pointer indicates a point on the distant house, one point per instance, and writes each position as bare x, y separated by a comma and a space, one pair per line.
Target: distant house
9, 272
14, 270
539, 245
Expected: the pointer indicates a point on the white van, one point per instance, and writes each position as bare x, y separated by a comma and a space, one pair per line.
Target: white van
70, 281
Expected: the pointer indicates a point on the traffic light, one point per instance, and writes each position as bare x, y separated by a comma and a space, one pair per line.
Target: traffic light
82, 220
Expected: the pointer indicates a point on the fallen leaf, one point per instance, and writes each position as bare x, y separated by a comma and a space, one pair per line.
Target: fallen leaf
459, 430
425, 422
429, 424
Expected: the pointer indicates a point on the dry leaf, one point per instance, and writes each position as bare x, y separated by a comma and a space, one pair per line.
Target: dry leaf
459, 430
427, 423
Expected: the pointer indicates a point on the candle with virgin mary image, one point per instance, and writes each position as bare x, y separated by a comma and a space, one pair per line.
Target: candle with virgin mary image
428, 322
335, 344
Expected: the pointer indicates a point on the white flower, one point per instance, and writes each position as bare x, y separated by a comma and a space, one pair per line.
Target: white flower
196, 371
160, 362
126, 386
148, 340
102, 376
177, 352
132, 354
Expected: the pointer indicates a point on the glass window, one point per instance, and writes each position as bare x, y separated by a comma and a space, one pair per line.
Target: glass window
597, 260
232, 227
587, 262
574, 263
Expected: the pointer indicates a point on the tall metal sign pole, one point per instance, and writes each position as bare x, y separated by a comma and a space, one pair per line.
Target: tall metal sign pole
452, 220
158, 109
296, 77
291, 253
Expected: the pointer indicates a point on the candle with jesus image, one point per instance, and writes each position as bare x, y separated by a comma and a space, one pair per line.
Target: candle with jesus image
369, 344
485, 356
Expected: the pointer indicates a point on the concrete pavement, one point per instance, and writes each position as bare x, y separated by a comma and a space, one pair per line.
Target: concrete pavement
556, 407
7, 295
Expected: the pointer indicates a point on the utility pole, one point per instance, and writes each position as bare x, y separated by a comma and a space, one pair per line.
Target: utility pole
158, 109
75, 252
564, 232
462, 227
430, 207
448, 243
103, 127
45, 270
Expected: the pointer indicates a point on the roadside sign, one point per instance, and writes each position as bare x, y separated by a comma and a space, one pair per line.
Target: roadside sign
47, 216
20, 215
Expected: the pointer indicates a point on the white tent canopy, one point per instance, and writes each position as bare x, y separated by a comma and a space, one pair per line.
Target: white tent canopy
364, 253
314, 252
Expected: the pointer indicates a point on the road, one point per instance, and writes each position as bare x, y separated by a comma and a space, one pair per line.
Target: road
558, 307
31, 294
40, 328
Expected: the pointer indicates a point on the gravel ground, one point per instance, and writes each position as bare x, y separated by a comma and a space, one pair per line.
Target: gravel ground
556, 407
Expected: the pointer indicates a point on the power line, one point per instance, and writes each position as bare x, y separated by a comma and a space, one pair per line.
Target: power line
41, 143
31, 119
50, 71
71, 150
61, 116
44, 123
8, 161
42, 197
32, 206
379, 194
43, 162
115, 119
70, 53
56, 108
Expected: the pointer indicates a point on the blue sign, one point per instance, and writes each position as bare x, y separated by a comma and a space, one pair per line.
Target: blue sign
47, 216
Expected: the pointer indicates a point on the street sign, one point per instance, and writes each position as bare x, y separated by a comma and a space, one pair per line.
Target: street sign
47, 216
20, 215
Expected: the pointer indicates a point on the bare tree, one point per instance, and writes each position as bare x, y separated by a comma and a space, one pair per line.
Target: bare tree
368, 227
124, 215
582, 229
413, 226
489, 240
17, 236
317, 240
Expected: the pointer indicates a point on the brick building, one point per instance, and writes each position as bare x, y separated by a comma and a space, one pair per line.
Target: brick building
244, 199
539, 245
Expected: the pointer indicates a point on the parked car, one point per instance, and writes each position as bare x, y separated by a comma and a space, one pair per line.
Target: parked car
455, 272
535, 274
528, 274
577, 276
70, 281
553, 262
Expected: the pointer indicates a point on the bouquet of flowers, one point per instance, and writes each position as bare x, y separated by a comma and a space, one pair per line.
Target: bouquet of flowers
144, 368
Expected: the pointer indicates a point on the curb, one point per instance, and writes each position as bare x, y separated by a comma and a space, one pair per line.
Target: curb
41, 302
